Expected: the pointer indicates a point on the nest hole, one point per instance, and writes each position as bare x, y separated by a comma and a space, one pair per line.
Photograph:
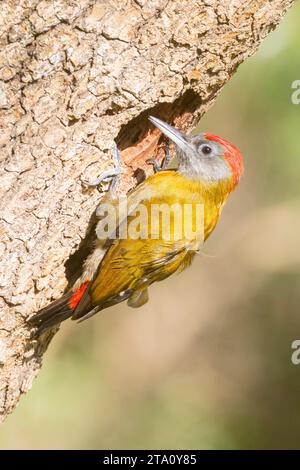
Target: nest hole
139, 140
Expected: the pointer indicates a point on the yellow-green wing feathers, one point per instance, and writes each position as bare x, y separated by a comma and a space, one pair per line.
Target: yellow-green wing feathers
130, 265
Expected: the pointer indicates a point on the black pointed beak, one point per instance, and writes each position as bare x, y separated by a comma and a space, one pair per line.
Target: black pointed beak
173, 134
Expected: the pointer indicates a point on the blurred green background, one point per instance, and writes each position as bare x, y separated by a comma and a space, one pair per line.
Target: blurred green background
207, 362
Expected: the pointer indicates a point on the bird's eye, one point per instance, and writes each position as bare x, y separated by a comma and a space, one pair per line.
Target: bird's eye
206, 149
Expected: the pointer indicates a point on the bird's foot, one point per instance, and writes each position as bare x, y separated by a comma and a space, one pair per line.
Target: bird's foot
111, 176
165, 161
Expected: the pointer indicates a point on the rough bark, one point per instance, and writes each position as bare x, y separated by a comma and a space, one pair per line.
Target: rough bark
74, 76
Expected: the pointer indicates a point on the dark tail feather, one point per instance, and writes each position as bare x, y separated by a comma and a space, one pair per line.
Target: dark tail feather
58, 311
52, 315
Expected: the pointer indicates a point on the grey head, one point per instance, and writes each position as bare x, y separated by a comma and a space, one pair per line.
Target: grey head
199, 156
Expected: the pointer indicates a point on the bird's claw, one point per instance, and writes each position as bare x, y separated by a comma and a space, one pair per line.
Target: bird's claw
165, 161
155, 164
109, 176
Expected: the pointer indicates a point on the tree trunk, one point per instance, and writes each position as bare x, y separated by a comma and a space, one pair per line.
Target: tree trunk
74, 77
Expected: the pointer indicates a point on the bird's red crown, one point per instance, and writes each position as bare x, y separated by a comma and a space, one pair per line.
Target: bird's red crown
232, 155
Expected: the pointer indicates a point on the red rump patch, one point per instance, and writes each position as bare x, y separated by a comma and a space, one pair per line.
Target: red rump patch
77, 296
231, 154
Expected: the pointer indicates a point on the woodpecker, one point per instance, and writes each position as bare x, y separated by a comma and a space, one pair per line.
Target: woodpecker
119, 269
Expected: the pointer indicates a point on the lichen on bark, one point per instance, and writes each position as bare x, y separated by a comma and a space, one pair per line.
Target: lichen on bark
74, 77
